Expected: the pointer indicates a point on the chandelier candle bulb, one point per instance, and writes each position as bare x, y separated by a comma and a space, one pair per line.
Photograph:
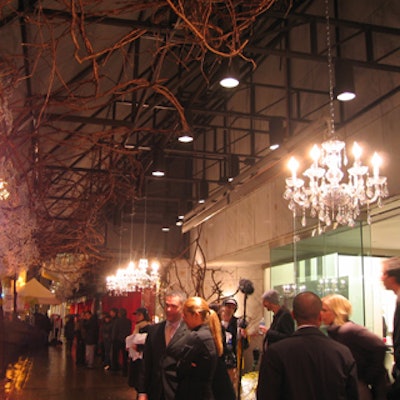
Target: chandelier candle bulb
357, 150
143, 264
154, 268
293, 166
315, 155
376, 163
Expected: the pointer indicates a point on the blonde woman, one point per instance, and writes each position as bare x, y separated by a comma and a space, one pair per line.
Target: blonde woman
367, 348
199, 357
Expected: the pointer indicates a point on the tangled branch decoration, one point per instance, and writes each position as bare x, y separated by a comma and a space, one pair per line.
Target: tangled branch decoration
66, 70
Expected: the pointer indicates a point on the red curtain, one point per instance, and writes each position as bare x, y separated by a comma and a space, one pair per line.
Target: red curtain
131, 302
78, 308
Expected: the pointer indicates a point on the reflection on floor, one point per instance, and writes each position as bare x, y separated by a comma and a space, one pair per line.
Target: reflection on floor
17, 375
51, 374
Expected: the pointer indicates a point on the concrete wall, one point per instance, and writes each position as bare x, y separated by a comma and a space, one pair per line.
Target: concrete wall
239, 236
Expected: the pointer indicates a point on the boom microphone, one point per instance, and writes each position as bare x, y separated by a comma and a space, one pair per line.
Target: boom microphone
246, 286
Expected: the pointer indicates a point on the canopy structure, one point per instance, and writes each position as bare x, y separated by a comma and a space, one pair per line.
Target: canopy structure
35, 291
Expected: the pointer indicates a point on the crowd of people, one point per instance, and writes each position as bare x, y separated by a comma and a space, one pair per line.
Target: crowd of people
184, 356
299, 361
346, 362
87, 336
190, 354
194, 352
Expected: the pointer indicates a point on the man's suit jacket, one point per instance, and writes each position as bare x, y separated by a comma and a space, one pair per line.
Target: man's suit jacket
307, 365
158, 377
396, 335
282, 326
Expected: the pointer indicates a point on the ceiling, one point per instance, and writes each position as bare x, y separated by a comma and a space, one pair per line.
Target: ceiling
95, 90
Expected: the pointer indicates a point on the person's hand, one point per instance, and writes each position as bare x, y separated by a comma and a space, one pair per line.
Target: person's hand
243, 333
142, 396
262, 329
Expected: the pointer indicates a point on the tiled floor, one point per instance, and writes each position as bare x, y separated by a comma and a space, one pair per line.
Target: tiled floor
51, 374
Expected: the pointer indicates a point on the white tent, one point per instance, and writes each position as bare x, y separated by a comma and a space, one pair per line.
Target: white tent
35, 291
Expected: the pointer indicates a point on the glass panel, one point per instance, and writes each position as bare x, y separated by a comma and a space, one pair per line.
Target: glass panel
346, 261
334, 262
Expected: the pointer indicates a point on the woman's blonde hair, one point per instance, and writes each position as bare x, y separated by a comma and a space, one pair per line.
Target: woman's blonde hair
340, 306
208, 316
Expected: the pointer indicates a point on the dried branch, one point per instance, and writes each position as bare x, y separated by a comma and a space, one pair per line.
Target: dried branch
67, 174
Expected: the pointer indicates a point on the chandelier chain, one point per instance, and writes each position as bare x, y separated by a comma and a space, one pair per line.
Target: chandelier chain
132, 213
144, 227
331, 128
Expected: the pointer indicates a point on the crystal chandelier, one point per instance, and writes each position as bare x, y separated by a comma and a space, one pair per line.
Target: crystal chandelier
4, 193
134, 277
326, 195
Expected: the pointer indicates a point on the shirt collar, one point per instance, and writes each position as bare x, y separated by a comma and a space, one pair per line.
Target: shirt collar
307, 326
174, 325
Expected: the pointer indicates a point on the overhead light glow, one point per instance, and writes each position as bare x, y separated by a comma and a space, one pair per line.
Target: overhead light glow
229, 82
185, 138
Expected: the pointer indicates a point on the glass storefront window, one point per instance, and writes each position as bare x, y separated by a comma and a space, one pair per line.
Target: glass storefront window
340, 262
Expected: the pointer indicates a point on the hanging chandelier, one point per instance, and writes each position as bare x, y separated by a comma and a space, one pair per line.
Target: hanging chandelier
5, 166
134, 278
327, 195
4, 193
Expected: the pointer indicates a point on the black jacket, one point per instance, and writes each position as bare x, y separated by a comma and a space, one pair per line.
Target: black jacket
308, 365
197, 365
282, 327
122, 328
90, 330
158, 376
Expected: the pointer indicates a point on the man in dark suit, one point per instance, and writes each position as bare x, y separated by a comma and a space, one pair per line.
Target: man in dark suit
308, 364
391, 281
282, 325
164, 342
122, 327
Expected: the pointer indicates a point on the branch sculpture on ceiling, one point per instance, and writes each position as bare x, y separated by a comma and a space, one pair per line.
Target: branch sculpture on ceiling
64, 68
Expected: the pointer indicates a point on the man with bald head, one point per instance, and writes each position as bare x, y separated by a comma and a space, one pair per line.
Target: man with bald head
307, 365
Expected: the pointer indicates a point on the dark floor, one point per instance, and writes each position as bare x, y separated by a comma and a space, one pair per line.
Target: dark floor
52, 374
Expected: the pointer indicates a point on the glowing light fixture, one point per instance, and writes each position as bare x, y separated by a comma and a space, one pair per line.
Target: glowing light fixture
158, 168
326, 196
135, 277
276, 133
234, 167
344, 81
4, 193
186, 137
203, 191
230, 77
